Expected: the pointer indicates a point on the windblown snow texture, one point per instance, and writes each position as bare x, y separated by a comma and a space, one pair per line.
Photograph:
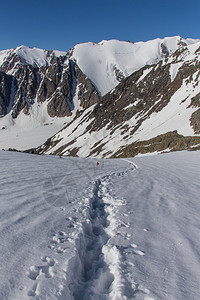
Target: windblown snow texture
125, 229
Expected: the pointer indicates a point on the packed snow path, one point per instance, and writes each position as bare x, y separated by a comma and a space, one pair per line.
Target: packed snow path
98, 260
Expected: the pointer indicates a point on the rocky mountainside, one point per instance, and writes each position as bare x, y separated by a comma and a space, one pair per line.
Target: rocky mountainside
53, 81
107, 96
53, 76
157, 108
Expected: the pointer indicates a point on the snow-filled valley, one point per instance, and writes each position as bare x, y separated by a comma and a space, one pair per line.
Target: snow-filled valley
125, 229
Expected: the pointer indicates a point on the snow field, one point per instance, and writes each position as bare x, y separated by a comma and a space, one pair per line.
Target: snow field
72, 230
162, 205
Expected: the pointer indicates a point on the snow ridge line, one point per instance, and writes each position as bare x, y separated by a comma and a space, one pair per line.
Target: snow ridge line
97, 262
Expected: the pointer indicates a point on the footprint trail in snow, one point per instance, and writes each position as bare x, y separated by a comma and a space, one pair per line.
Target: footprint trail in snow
99, 260
96, 269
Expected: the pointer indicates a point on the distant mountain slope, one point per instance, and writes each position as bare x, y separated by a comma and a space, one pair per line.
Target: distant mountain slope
158, 104
41, 91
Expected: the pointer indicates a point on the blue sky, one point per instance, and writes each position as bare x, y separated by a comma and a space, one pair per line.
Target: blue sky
60, 24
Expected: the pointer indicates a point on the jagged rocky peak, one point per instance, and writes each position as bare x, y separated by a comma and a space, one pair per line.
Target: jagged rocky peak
55, 83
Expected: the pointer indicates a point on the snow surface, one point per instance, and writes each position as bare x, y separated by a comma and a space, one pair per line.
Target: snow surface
29, 131
127, 229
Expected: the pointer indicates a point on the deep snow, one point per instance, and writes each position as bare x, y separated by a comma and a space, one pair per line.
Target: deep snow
127, 229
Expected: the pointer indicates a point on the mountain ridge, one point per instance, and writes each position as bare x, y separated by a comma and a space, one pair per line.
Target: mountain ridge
151, 102
50, 90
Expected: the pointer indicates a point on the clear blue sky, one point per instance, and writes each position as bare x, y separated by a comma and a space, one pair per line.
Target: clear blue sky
60, 24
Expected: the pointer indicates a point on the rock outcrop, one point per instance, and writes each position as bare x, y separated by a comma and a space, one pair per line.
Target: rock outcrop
6, 83
56, 84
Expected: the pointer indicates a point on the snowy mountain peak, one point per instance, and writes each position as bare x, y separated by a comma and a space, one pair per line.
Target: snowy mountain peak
31, 56
113, 60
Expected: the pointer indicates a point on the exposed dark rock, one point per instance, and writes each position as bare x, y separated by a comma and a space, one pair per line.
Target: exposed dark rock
97, 150
58, 106
164, 51
87, 93
12, 62
119, 74
171, 140
50, 143
195, 121
197, 51
195, 101
136, 98
55, 83
5, 92
182, 43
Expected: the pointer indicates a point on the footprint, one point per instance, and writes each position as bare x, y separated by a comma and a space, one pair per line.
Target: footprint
62, 233
32, 292
50, 262
58, 238
59, 250
133, 245
139, 252
33, 272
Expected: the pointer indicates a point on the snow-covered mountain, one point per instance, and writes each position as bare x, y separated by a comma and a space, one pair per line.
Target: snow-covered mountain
154, 109
30, 56
43, 91
108, 62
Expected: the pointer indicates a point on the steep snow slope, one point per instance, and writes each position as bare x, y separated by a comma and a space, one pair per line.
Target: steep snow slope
107, 62
127, 229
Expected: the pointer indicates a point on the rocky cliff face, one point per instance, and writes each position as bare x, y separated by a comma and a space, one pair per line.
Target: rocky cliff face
6, 83
56, 84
